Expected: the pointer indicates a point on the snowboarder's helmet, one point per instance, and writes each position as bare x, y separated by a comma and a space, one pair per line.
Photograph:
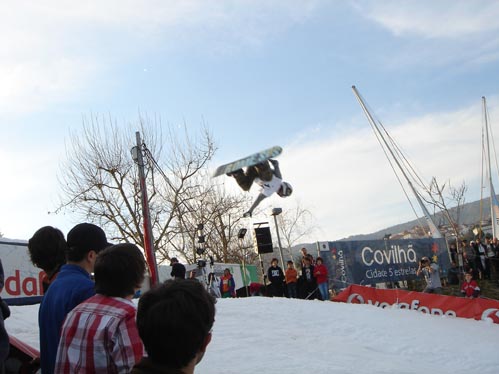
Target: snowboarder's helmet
285, 190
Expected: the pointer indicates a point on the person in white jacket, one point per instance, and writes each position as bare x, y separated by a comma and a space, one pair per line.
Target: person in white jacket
269, 179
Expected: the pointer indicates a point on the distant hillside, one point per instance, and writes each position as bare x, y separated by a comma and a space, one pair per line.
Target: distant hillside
469, 215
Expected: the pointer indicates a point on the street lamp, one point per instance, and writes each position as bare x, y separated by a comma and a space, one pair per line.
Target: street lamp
201, 240
240, 236
275, 213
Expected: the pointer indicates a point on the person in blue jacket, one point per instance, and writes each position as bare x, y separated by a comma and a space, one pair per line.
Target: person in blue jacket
72, 286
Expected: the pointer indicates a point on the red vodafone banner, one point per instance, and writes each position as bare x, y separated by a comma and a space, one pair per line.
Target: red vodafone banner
479, 309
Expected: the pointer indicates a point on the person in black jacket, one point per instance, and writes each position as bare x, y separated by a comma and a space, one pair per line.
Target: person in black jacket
276, 277
178, 270
308, 284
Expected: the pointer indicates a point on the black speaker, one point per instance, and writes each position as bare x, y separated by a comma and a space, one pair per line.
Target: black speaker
264, 240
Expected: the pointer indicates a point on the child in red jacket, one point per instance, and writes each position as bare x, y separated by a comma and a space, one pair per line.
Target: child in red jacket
320, 274
470, 288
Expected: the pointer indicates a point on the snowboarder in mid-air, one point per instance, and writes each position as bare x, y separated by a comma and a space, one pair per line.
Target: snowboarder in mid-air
268, 177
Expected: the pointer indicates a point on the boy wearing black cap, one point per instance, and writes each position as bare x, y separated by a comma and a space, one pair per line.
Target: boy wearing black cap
72, 286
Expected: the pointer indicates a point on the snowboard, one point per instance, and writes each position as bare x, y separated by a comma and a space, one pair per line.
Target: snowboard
251, 160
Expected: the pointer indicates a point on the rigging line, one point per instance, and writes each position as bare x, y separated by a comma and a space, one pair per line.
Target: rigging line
433, 228
487, 115
156, 165
421, 224
401, 159
482, 156
379, 135
150, 157
409, 166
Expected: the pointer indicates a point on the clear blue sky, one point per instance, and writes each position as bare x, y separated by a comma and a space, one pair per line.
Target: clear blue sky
259, 73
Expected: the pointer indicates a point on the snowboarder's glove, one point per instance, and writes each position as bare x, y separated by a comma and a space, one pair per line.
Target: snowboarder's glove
247, 214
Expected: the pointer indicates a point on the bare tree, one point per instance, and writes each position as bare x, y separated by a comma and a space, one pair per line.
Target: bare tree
295, 224
99, 178
220, 214
441, 201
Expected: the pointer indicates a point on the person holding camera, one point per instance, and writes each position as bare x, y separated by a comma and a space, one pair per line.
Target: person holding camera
431, 275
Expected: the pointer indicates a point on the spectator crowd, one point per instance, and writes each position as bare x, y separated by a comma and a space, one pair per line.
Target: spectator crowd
88, 322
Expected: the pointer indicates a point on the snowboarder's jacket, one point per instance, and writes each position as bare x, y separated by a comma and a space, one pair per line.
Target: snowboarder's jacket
320, 273
227, 286
275, 275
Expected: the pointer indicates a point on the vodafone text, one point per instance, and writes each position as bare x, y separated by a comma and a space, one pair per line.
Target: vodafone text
413, 305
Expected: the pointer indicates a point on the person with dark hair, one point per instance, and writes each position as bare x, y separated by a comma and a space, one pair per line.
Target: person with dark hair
227, 285
4, 336
276, 277
321, 277
431, 273
47, 251
100, 335
480, 257
291, 277
468, 255
307, 282
469, 288
178, 269
175, 321
453, 274
72, 286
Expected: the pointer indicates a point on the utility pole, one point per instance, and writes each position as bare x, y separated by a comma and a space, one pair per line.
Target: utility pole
146, 219
275, 213
240, 237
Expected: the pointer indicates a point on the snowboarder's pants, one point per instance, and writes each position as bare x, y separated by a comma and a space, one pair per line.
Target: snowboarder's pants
245, 179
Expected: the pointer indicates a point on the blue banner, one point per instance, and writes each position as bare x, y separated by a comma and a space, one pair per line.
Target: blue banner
367, 262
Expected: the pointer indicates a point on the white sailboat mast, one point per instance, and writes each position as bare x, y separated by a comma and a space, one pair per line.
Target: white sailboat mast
494, 204
433, 228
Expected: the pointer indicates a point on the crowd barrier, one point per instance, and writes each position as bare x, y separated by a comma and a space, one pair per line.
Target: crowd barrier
479, 308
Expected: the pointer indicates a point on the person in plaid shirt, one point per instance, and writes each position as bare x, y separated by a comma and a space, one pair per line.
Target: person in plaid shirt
100, 335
